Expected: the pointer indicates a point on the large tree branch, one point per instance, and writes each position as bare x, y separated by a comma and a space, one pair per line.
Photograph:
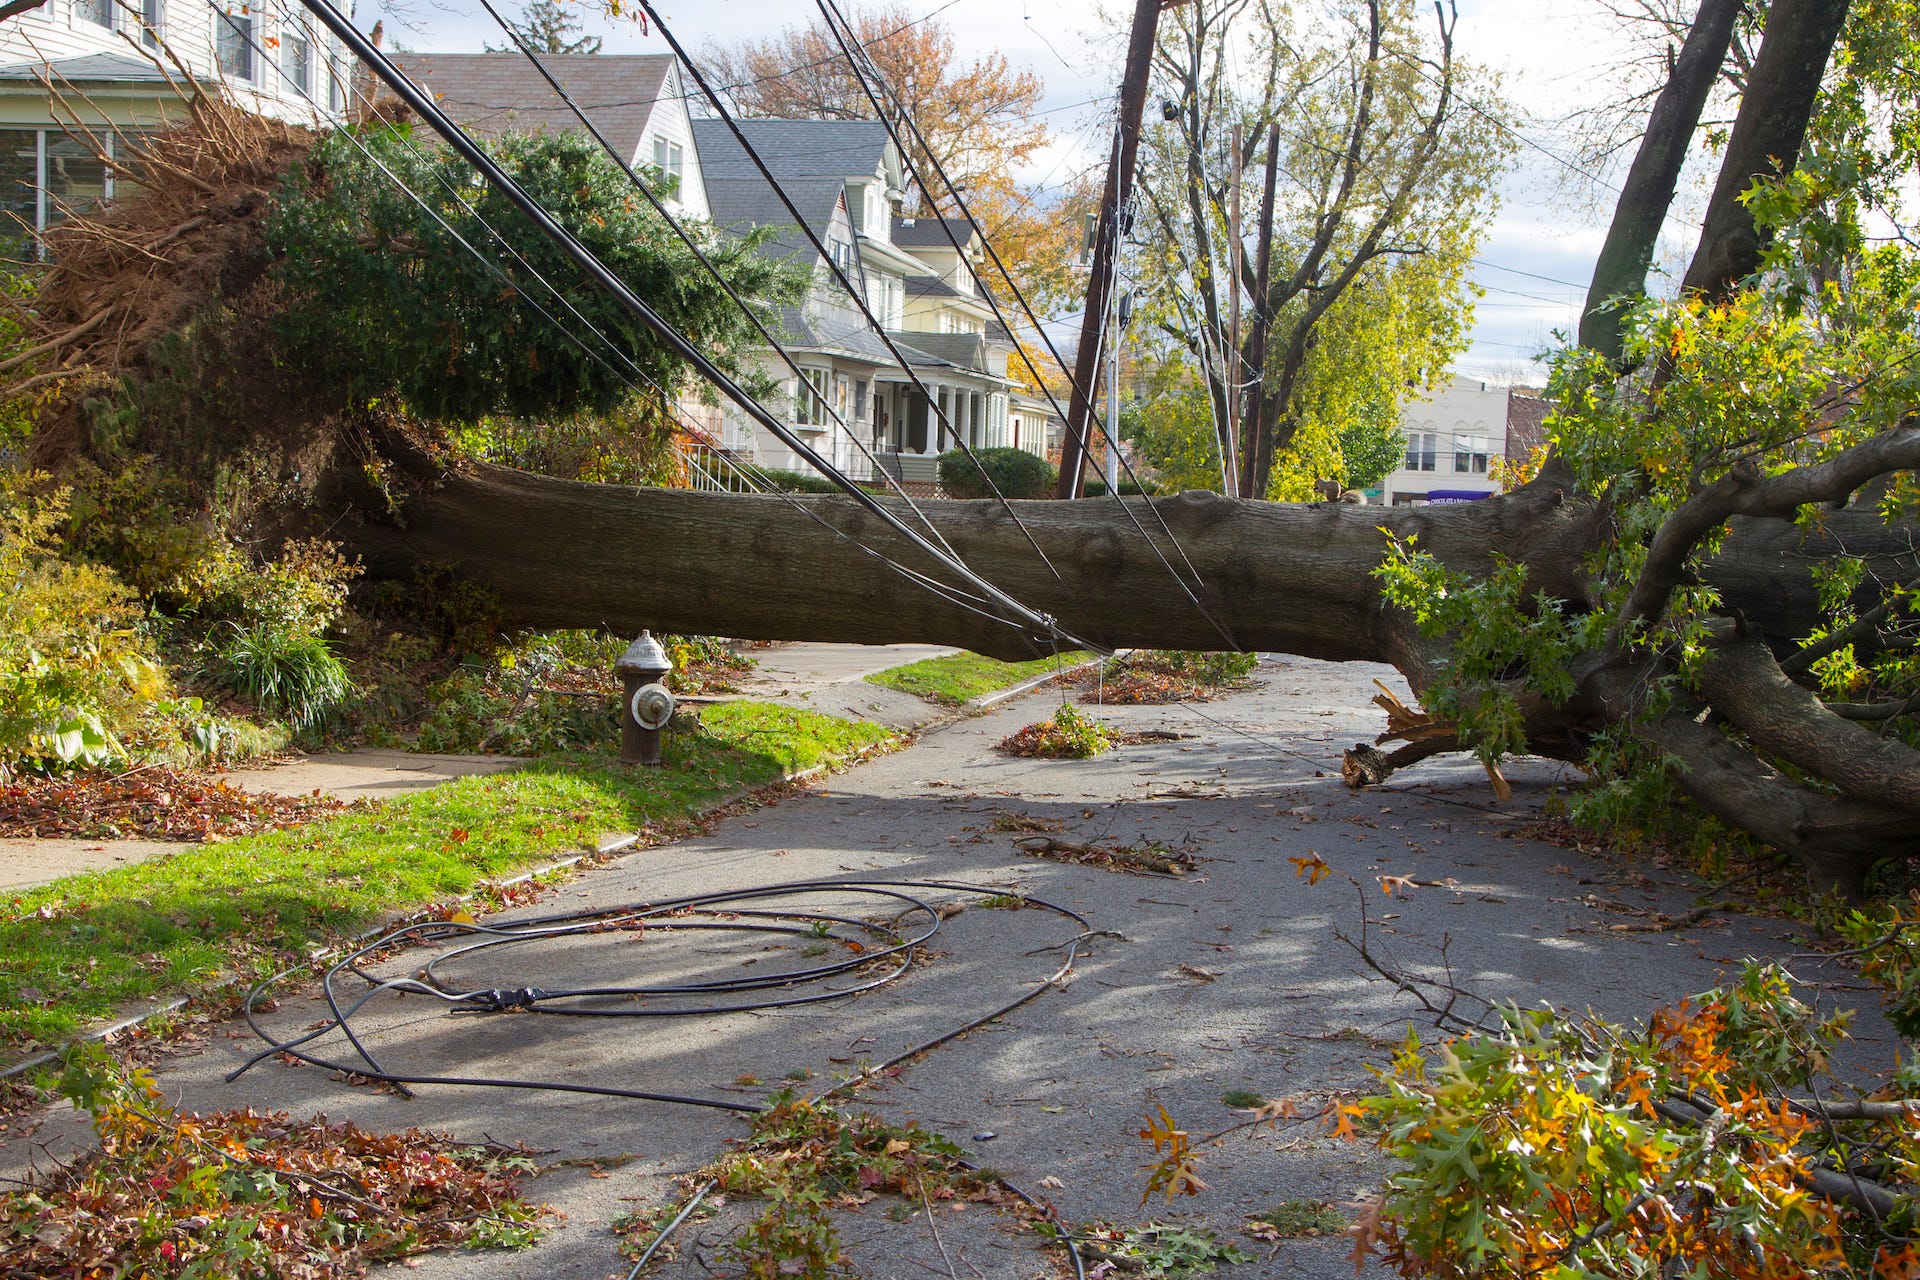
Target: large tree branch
1744, 684
1766, 138
1744, 491
1644, 200
1837, 839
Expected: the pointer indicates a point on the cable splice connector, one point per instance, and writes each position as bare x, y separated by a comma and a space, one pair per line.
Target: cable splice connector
501, 999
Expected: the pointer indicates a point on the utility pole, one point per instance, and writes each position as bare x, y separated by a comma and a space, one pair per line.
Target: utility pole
1114, 199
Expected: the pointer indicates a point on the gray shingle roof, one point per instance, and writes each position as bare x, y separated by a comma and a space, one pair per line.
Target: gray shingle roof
932, 287
958, 350
90, 68
931, 233
496, 93
839, 149
813, 159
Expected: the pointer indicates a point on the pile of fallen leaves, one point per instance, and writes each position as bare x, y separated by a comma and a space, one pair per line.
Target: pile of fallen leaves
1152, 858
1153, 676
153, 804
1068, 735
246, 1194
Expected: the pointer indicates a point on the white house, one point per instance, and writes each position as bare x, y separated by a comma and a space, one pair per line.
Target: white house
107, 63
1453, 436
635, 100
855, 400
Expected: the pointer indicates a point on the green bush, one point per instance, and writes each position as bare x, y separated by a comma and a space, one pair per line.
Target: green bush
1129, 488
283, 671
791, 481
80, 683
1014, 472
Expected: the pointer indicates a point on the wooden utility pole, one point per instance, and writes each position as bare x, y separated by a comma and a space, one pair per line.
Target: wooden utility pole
1114, 199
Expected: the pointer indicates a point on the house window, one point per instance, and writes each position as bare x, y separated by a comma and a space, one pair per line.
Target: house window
1470, 455
233, 43
1422, 451
20, 181
336, 84
842, 251
810, 401
296, 57
669, 160
859, 399
150, 23
99, 12
841, 386
47, 174
75, 177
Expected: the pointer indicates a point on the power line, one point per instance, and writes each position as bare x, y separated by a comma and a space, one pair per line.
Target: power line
590, 264
868, 76
854, 294
960, 599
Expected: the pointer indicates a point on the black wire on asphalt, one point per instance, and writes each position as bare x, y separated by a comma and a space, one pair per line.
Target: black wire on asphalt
868, 945
870, 75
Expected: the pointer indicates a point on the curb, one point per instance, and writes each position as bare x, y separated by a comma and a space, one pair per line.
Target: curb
998, 696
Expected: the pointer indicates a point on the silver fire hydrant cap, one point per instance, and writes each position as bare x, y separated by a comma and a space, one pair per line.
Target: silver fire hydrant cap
644, 657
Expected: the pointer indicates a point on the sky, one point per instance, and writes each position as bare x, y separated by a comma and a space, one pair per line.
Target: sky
1533, 264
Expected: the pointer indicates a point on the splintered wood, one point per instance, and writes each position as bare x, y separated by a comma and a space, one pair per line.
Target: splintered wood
1365, 766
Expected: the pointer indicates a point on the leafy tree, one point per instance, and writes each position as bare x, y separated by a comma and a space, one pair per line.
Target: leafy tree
382, 301
1171, 430
1371, 447
1388, 183
548, 26
978, 117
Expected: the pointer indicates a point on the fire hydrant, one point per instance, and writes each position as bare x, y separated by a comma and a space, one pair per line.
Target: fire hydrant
646, 704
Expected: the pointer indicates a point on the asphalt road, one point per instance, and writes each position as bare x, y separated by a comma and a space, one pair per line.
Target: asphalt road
1231, 977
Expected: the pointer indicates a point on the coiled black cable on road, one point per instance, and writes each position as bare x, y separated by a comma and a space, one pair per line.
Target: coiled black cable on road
875, 953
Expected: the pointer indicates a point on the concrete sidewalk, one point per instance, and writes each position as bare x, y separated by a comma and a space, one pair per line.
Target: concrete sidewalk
350, 775
825, 677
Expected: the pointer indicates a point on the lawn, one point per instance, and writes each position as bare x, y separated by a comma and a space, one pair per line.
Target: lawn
88, 947
962, 677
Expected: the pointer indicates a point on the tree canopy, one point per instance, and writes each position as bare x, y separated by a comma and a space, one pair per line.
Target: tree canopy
383, 299
549, 27
977, 117
1376, 140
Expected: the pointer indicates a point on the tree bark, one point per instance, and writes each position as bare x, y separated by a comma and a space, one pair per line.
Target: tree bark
1621, 270
1767, 132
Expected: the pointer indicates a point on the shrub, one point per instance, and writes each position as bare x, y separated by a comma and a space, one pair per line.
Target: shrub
1014, 472
791, 481
77, 675
283, 671
1128, 489
1070, 735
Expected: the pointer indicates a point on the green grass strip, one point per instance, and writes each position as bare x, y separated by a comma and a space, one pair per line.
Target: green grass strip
85, 948
962, 677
